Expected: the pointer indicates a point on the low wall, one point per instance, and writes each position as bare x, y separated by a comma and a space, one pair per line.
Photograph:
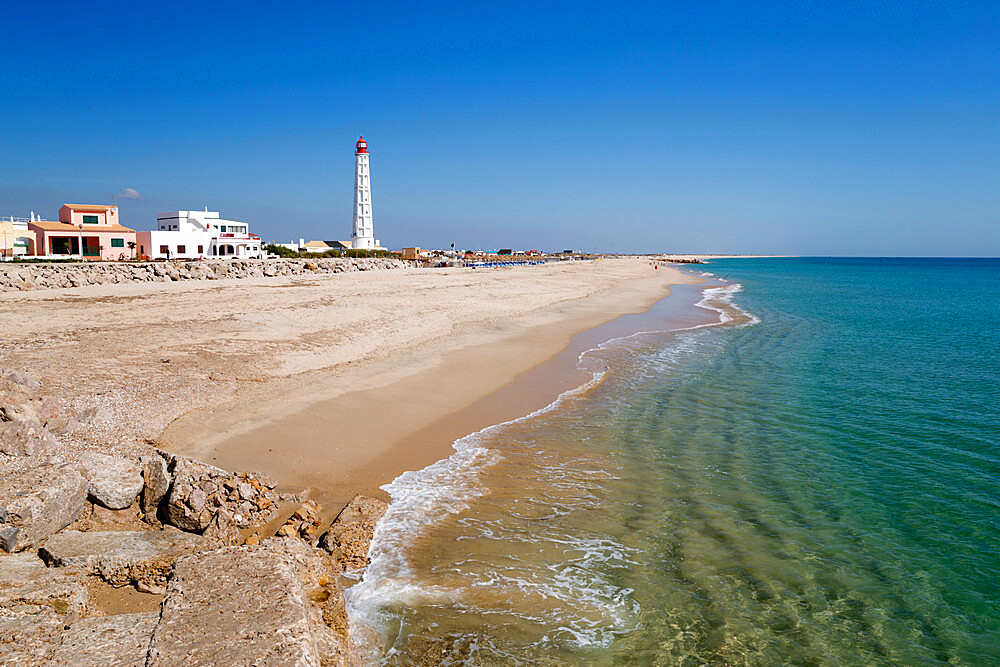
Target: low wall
20, 277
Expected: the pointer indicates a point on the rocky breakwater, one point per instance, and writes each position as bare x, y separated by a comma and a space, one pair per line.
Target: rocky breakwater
196, 537
21, 277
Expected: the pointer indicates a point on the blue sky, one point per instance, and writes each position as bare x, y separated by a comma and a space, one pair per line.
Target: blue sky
810, 128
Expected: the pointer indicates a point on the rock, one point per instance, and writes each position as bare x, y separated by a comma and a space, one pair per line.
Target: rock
222, 529
18, 377
26, 438
303, 524
29, 641
186, 503
115, 482
37, 502
68, 599
121, 558
104, 515
156, 483
16, 569
273, 604
27, 588
350, 536
121, 640
97, 414
17, 412
62, 424
199, 490
299, 497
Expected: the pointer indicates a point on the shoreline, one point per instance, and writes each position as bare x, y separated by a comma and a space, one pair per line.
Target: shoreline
403, 365
355, 428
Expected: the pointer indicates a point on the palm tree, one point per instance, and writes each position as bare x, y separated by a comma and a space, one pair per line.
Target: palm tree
131, 247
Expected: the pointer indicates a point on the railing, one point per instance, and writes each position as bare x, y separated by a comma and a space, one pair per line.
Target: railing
91, 252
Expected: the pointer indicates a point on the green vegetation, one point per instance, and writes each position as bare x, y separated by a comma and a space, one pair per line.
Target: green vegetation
282, 251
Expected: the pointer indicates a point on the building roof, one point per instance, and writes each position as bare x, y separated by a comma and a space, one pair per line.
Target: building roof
49, 226
315, 244
90, 207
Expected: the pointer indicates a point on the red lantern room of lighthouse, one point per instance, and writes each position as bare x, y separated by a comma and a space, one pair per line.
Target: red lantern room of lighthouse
361, 146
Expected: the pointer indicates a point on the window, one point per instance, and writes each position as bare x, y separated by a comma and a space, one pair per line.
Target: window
201, 250
117, 243
181, 249
164, 250
142, 250
90, 219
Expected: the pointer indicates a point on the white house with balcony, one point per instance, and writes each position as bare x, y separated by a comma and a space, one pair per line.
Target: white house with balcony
198, 234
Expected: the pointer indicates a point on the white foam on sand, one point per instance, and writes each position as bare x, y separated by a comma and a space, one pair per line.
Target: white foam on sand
424, 497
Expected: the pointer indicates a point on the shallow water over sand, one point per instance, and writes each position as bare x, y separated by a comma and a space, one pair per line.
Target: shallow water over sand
816, 486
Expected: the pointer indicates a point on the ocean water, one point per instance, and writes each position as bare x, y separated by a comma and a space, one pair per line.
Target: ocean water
814, 480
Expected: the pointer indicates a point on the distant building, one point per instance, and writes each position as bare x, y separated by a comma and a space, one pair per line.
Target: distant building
196, 234
89, 231
363, 234
411, 253
15, 237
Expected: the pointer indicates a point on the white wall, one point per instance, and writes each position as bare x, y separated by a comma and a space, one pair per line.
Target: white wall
150, 243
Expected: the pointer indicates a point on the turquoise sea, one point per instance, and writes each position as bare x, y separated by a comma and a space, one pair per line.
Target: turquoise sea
814, 481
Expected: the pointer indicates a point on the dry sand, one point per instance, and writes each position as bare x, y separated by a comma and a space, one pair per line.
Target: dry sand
338, 383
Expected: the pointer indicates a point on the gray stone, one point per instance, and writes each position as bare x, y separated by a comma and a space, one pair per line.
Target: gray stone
16, 569
39, 501
121, 558
185, 505
350, 536
156, 483
26, 438
97, 414
29, 641
121, 640
272, 604
27, 587
115, 482
63, 597
17, 377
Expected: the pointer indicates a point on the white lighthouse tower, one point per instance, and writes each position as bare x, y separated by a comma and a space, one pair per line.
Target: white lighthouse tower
363, 235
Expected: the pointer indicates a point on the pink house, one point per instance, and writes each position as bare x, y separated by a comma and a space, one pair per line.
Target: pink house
90, 231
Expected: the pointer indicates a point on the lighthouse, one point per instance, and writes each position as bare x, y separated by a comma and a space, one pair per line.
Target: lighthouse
363, 235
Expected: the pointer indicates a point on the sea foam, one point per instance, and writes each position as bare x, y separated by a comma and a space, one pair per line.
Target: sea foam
424, 497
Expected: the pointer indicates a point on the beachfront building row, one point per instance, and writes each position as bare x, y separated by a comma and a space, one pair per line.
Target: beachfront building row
94, 231
198, 234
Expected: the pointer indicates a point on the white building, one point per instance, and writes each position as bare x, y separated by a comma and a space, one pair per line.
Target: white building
196, 234
363, 236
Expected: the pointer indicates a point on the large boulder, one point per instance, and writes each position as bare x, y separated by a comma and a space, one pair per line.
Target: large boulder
276, 603
26, 438
29, 641
350, 536
122, 558
156, 483
114, 482
28, 588
37, 502
121, 640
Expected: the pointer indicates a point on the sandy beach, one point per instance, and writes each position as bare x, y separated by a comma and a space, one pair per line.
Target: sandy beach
335, 383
